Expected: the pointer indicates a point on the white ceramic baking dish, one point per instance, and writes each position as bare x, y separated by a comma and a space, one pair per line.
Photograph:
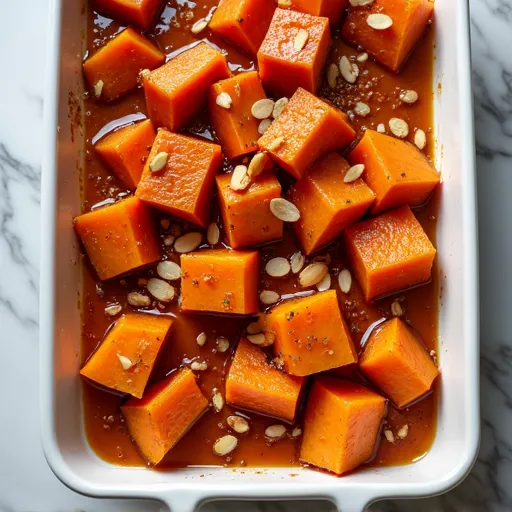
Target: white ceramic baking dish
65, 445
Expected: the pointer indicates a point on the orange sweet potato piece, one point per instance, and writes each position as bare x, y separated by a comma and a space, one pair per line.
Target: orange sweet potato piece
254, 384
177, 91
341, 425
124, 360
184, 186
310, 334
389, 253
284, 67
243, 23
395, 170
220, 281
398, 363
119, 238
167, 411
307, 129
126, 150
391, 46
246, 214
236, 127
138, 12
332, 9
114, 69
327, 205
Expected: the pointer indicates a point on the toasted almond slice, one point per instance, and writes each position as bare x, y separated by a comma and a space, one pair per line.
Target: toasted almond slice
297, 262
409, 96
199, 26
296, 432
402, 433
125, 362
396, 308
362, 109
222, 344
169, 240
312, 274
201, 339
144, 73
224, 100
354, 173
284, 210
254, 328
240, 179
324, 284
168, 270
279, 106
275, 431
262, 109
199, 366
389, 436
257, 339
113, 309
213, 234
300, 40
275, 144
348, 71
277, 267
217, 401
158, 162
379, 21
420, 139
188, 243
362, 57
225, 445
264, 126
257, 165
138, 300
399, 128
345, 280
381, 128
161, 290
332, 75
269, 297
360, 3
238, 424
98, 88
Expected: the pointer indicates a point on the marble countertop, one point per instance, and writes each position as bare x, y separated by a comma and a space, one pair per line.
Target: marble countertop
26, 482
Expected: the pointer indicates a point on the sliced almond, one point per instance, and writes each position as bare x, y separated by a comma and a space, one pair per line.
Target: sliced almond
224, 100
217, 401
125, 362
199, 26
354, 173
113, 309
396, 308
381, 128
360, 3
98, 88
169, 240
161, 290
264, 126
269, 297
420, 139
199, 366
362, 57
169, 270
201, 339
225, 445
296, 432
222, 344
332, 75
188, 243
262, 109
158, 162
362, 109
345, 281
300, 40
389, 436
238, 424
275, 144
324, 284
379, 21
348, 71
277, 267
257, 339
402, 433
284, 210
138, 300
312, 274
399, 128
254, 328
257, 164
240, 179
297, 262
213, 234
275, 431
409, 96
144, 73
279, 106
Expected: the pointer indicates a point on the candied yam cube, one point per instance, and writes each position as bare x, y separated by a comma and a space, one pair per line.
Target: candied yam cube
307, 129
341, 425
124, 360
167, 411
236, 127
332, 9
138, 12
393, 45
119, 238
126, 150
389, 253
246, 214
114, 69
243, 23
255, 384
285, 61
220, 281
311, 335
177, 91
326, 203
184, 186
395, 170
396, 361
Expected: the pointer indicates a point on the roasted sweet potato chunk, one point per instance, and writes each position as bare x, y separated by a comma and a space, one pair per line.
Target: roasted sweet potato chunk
138, 12
332, 9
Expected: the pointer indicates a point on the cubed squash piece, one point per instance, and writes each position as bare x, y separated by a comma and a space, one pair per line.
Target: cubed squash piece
236, 127
310, 334
126, 150
114, 69
396, 361
167, 411
389, 253
326, 203
220, 281
246, 214
119, 238
294, 52
341, 425
137, 12
255, 384
126, 357
395, 170
391, 46
332, 9
307, 129
243, 23
177, 91
184, 186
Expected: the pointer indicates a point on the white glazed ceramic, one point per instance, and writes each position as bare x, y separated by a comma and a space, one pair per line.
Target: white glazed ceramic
65, 446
